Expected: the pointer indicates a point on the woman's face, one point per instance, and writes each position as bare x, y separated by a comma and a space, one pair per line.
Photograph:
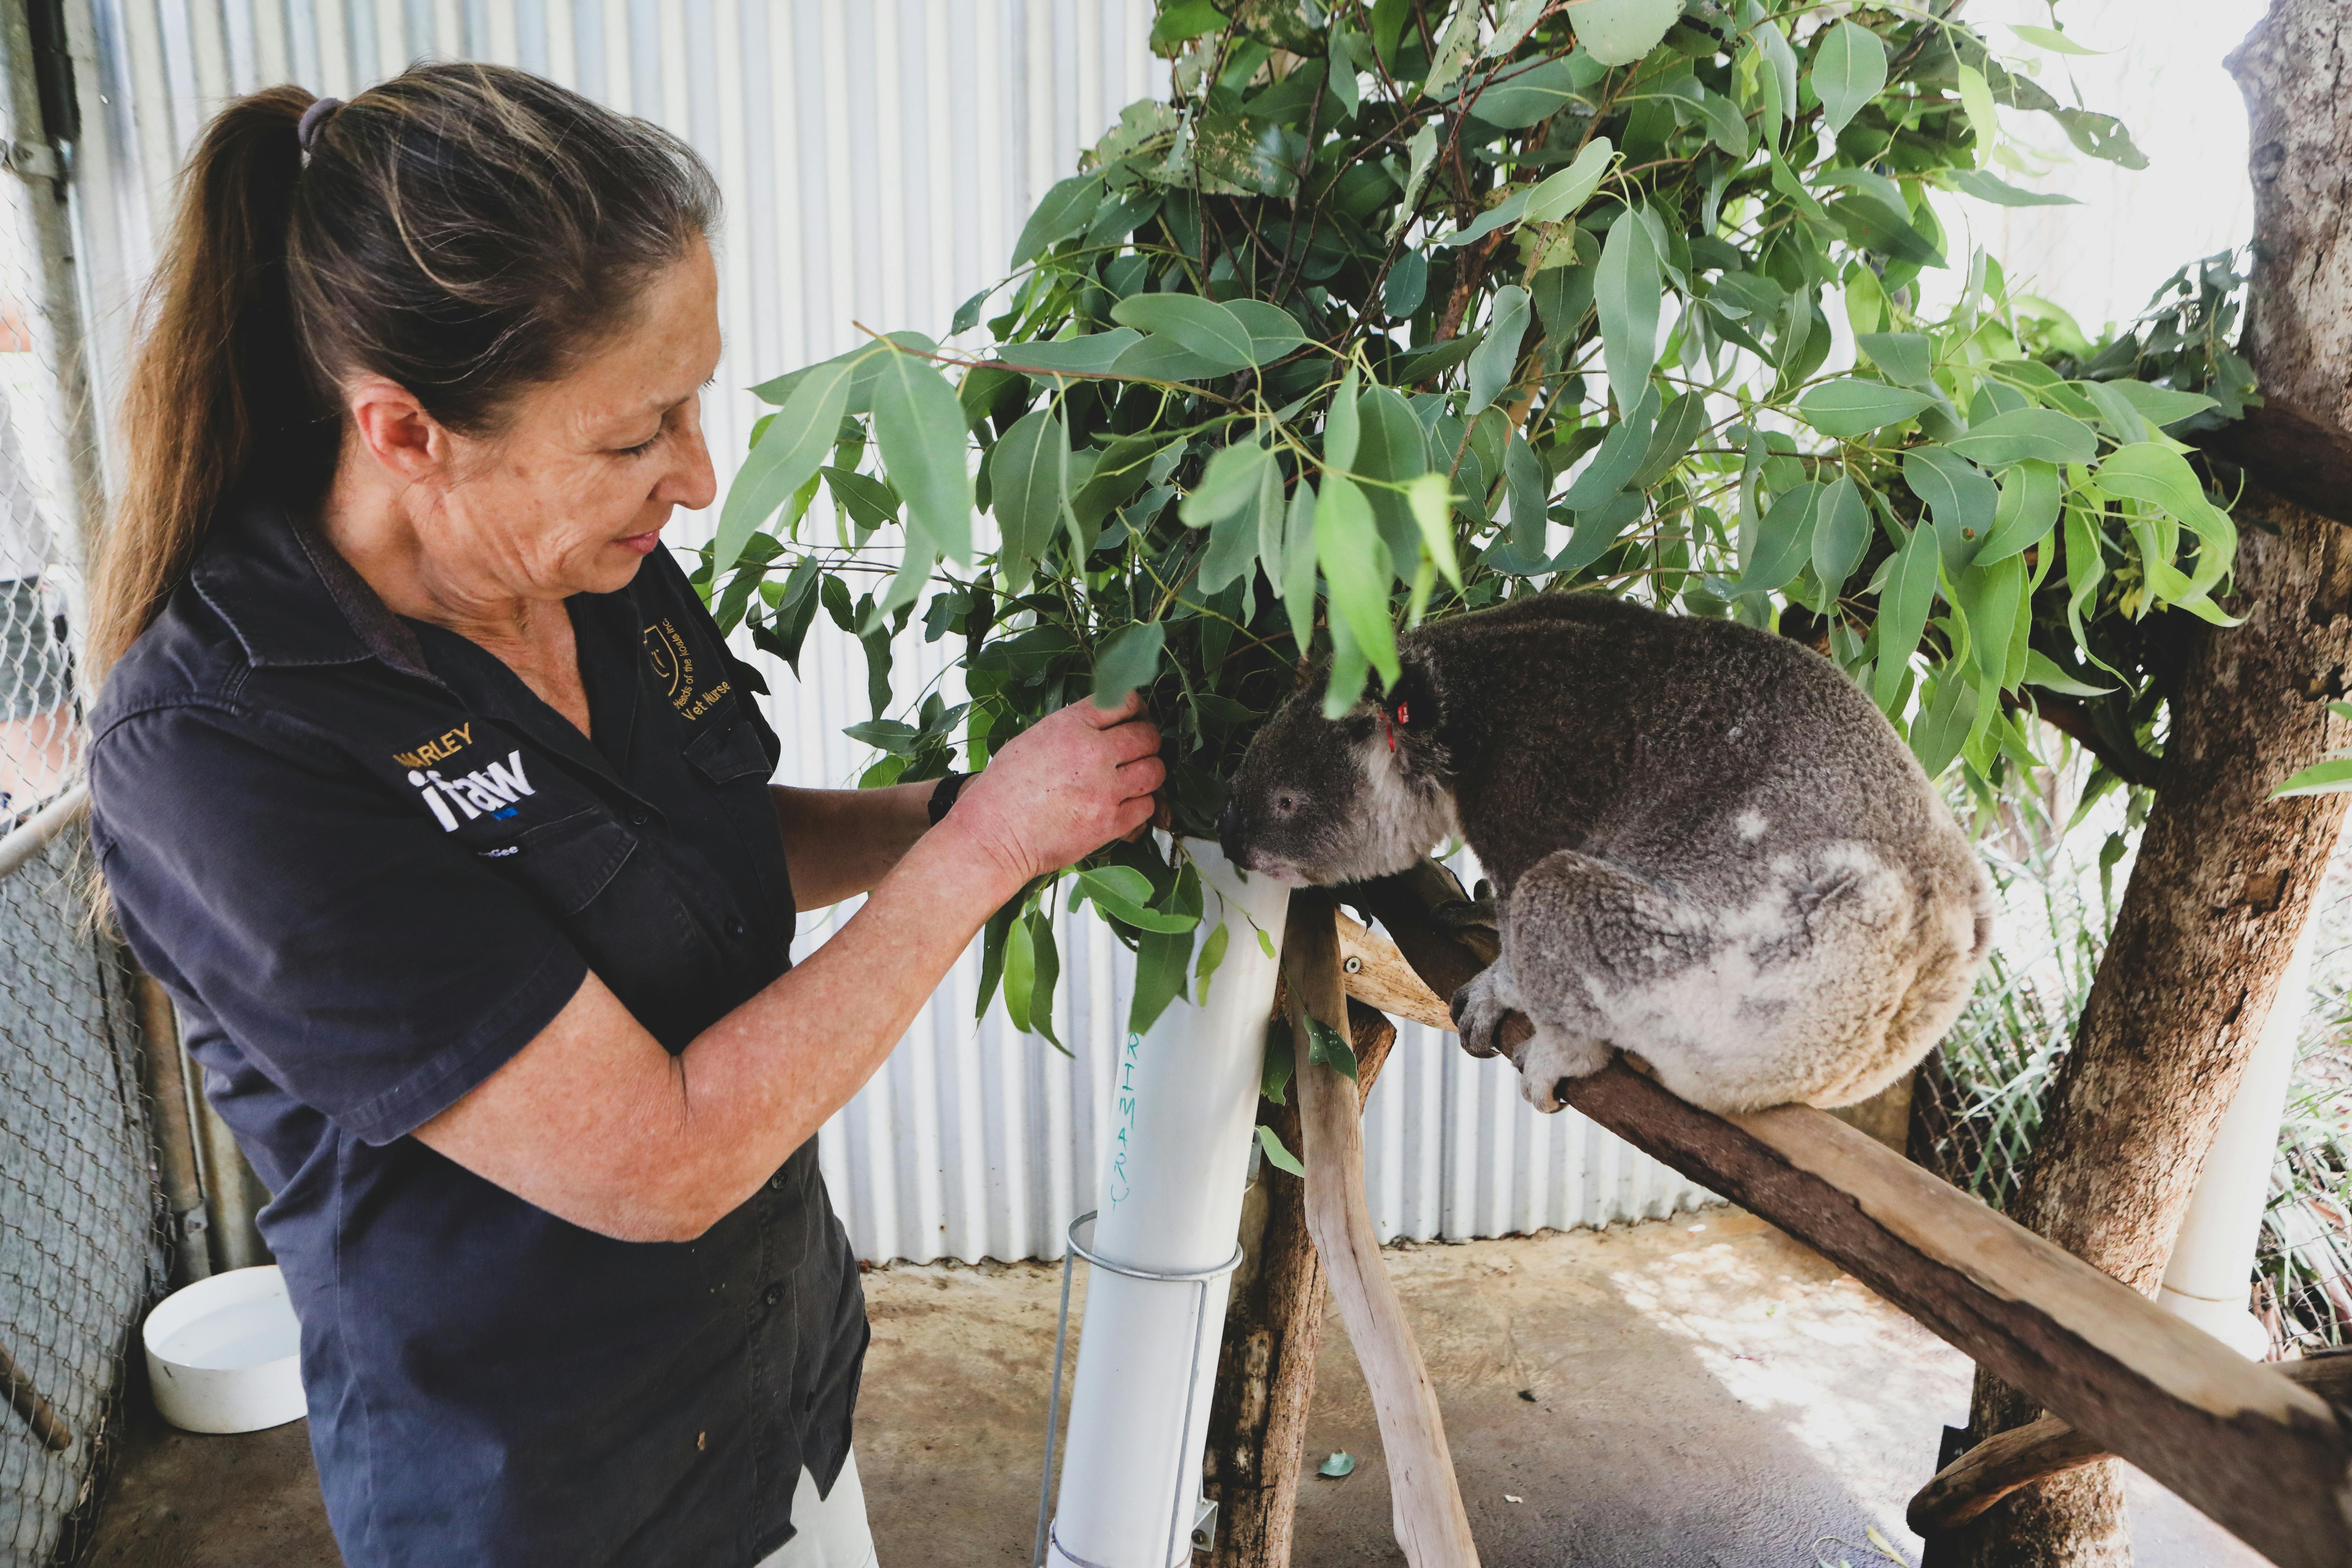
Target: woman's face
572, 495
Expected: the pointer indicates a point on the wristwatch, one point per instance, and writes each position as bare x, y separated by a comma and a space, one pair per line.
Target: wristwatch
943, 797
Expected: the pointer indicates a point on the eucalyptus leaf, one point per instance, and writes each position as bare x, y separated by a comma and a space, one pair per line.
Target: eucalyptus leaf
918, 424
1504, 213
1491, 367
1906, 359
1562, 194
1282, 1158
1625, 289
1961, 498
1783, 540
2160, 405
2043, 671
1422, 150
1228, 483
1124, 883
2027, 512
1903, 606
1092, 354
1357, 566
1850, 406
2044, 435
1028, 476
1987, 187
1841, 534
1519, 95
1849, 70
1620, 32
785, 457
1162, 960
1199, 326
1128, 660
1063, 212
1343, 429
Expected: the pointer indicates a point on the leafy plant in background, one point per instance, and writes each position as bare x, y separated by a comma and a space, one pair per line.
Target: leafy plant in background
1407, 308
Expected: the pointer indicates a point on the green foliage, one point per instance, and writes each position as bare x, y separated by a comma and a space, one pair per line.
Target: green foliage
1408, 308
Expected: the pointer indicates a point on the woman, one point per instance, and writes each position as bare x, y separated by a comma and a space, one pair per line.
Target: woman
425, 782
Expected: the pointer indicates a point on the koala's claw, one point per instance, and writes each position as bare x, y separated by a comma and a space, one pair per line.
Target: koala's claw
1458, 915
1479, 1008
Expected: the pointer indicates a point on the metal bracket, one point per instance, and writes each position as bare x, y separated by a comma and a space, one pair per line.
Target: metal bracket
1204, 1534
31, 159
1204, 1527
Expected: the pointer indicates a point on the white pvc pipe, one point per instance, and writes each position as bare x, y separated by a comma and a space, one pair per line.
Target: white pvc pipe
2207, 1281
1175, 1163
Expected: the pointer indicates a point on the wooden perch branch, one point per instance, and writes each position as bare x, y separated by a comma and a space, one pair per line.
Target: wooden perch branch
54, 1434
2290, 452
2267, 1459
2024, 1455
1431, 1526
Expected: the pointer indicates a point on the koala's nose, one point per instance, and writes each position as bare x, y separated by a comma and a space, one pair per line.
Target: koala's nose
1229, 830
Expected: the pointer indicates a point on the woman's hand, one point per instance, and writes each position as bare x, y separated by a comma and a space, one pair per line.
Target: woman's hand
1065, 787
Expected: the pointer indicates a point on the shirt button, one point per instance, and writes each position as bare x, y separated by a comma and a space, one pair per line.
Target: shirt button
638, 819
735, 927
775, 1293
776, 1182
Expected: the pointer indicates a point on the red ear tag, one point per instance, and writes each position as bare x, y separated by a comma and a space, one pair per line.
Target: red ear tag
1404, 713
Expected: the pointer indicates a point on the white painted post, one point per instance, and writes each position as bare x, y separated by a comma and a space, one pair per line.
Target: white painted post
2207, 1280
1176, 1162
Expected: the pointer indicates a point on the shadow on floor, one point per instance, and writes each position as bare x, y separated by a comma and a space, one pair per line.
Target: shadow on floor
1701, 1392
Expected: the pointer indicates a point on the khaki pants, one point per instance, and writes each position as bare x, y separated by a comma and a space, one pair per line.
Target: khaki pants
832, 1530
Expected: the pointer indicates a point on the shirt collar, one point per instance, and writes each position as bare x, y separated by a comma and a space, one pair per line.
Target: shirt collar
292, 600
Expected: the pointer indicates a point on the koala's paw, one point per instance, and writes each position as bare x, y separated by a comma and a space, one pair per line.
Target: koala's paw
1480, 1006
1549, 1059
1458, 915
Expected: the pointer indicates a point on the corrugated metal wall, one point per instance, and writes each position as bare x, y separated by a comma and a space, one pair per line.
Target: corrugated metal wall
878, 160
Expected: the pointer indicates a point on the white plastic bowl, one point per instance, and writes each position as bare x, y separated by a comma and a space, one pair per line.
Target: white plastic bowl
223, 1354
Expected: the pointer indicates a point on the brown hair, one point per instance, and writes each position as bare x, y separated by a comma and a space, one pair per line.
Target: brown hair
460, 229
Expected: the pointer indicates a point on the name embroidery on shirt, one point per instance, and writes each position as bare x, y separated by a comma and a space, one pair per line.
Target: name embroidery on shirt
440, 748
490, 791
673, 668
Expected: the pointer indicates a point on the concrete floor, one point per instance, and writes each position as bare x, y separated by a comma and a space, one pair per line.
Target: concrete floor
1706, 1393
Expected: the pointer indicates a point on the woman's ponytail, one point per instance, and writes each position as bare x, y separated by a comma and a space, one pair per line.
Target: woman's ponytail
217, 371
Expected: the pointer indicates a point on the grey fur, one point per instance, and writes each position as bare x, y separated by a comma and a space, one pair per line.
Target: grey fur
1710, 849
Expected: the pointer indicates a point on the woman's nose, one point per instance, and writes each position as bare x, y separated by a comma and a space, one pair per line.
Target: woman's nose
694, 483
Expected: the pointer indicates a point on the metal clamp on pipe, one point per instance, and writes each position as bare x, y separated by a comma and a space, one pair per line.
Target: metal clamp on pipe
1204, 1532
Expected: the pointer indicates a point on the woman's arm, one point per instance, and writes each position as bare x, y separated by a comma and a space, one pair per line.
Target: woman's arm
596, 1123
840, 843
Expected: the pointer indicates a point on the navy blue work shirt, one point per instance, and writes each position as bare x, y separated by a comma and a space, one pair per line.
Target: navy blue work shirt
369, 865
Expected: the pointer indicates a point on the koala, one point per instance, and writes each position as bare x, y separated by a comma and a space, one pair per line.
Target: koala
1707, 848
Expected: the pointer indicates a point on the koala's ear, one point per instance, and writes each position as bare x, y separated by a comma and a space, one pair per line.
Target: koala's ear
1413, 700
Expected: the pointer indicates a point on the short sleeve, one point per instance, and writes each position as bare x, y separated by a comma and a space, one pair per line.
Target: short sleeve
375, 969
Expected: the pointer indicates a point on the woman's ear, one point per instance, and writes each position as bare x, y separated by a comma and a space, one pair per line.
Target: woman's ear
394, 430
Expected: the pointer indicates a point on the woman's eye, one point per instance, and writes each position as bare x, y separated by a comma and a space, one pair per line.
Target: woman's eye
641, 449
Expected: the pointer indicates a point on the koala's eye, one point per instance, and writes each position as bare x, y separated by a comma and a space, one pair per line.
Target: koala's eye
1286, 804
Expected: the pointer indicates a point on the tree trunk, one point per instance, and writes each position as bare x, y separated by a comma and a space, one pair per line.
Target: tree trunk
1425, 1508
1274, 1326
2225, 875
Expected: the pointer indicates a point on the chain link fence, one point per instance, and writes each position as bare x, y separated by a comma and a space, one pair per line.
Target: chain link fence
82, 1254
1978, 1103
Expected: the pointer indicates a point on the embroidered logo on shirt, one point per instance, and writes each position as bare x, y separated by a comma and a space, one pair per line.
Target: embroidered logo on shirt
673, 668
440, 749
486, 792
